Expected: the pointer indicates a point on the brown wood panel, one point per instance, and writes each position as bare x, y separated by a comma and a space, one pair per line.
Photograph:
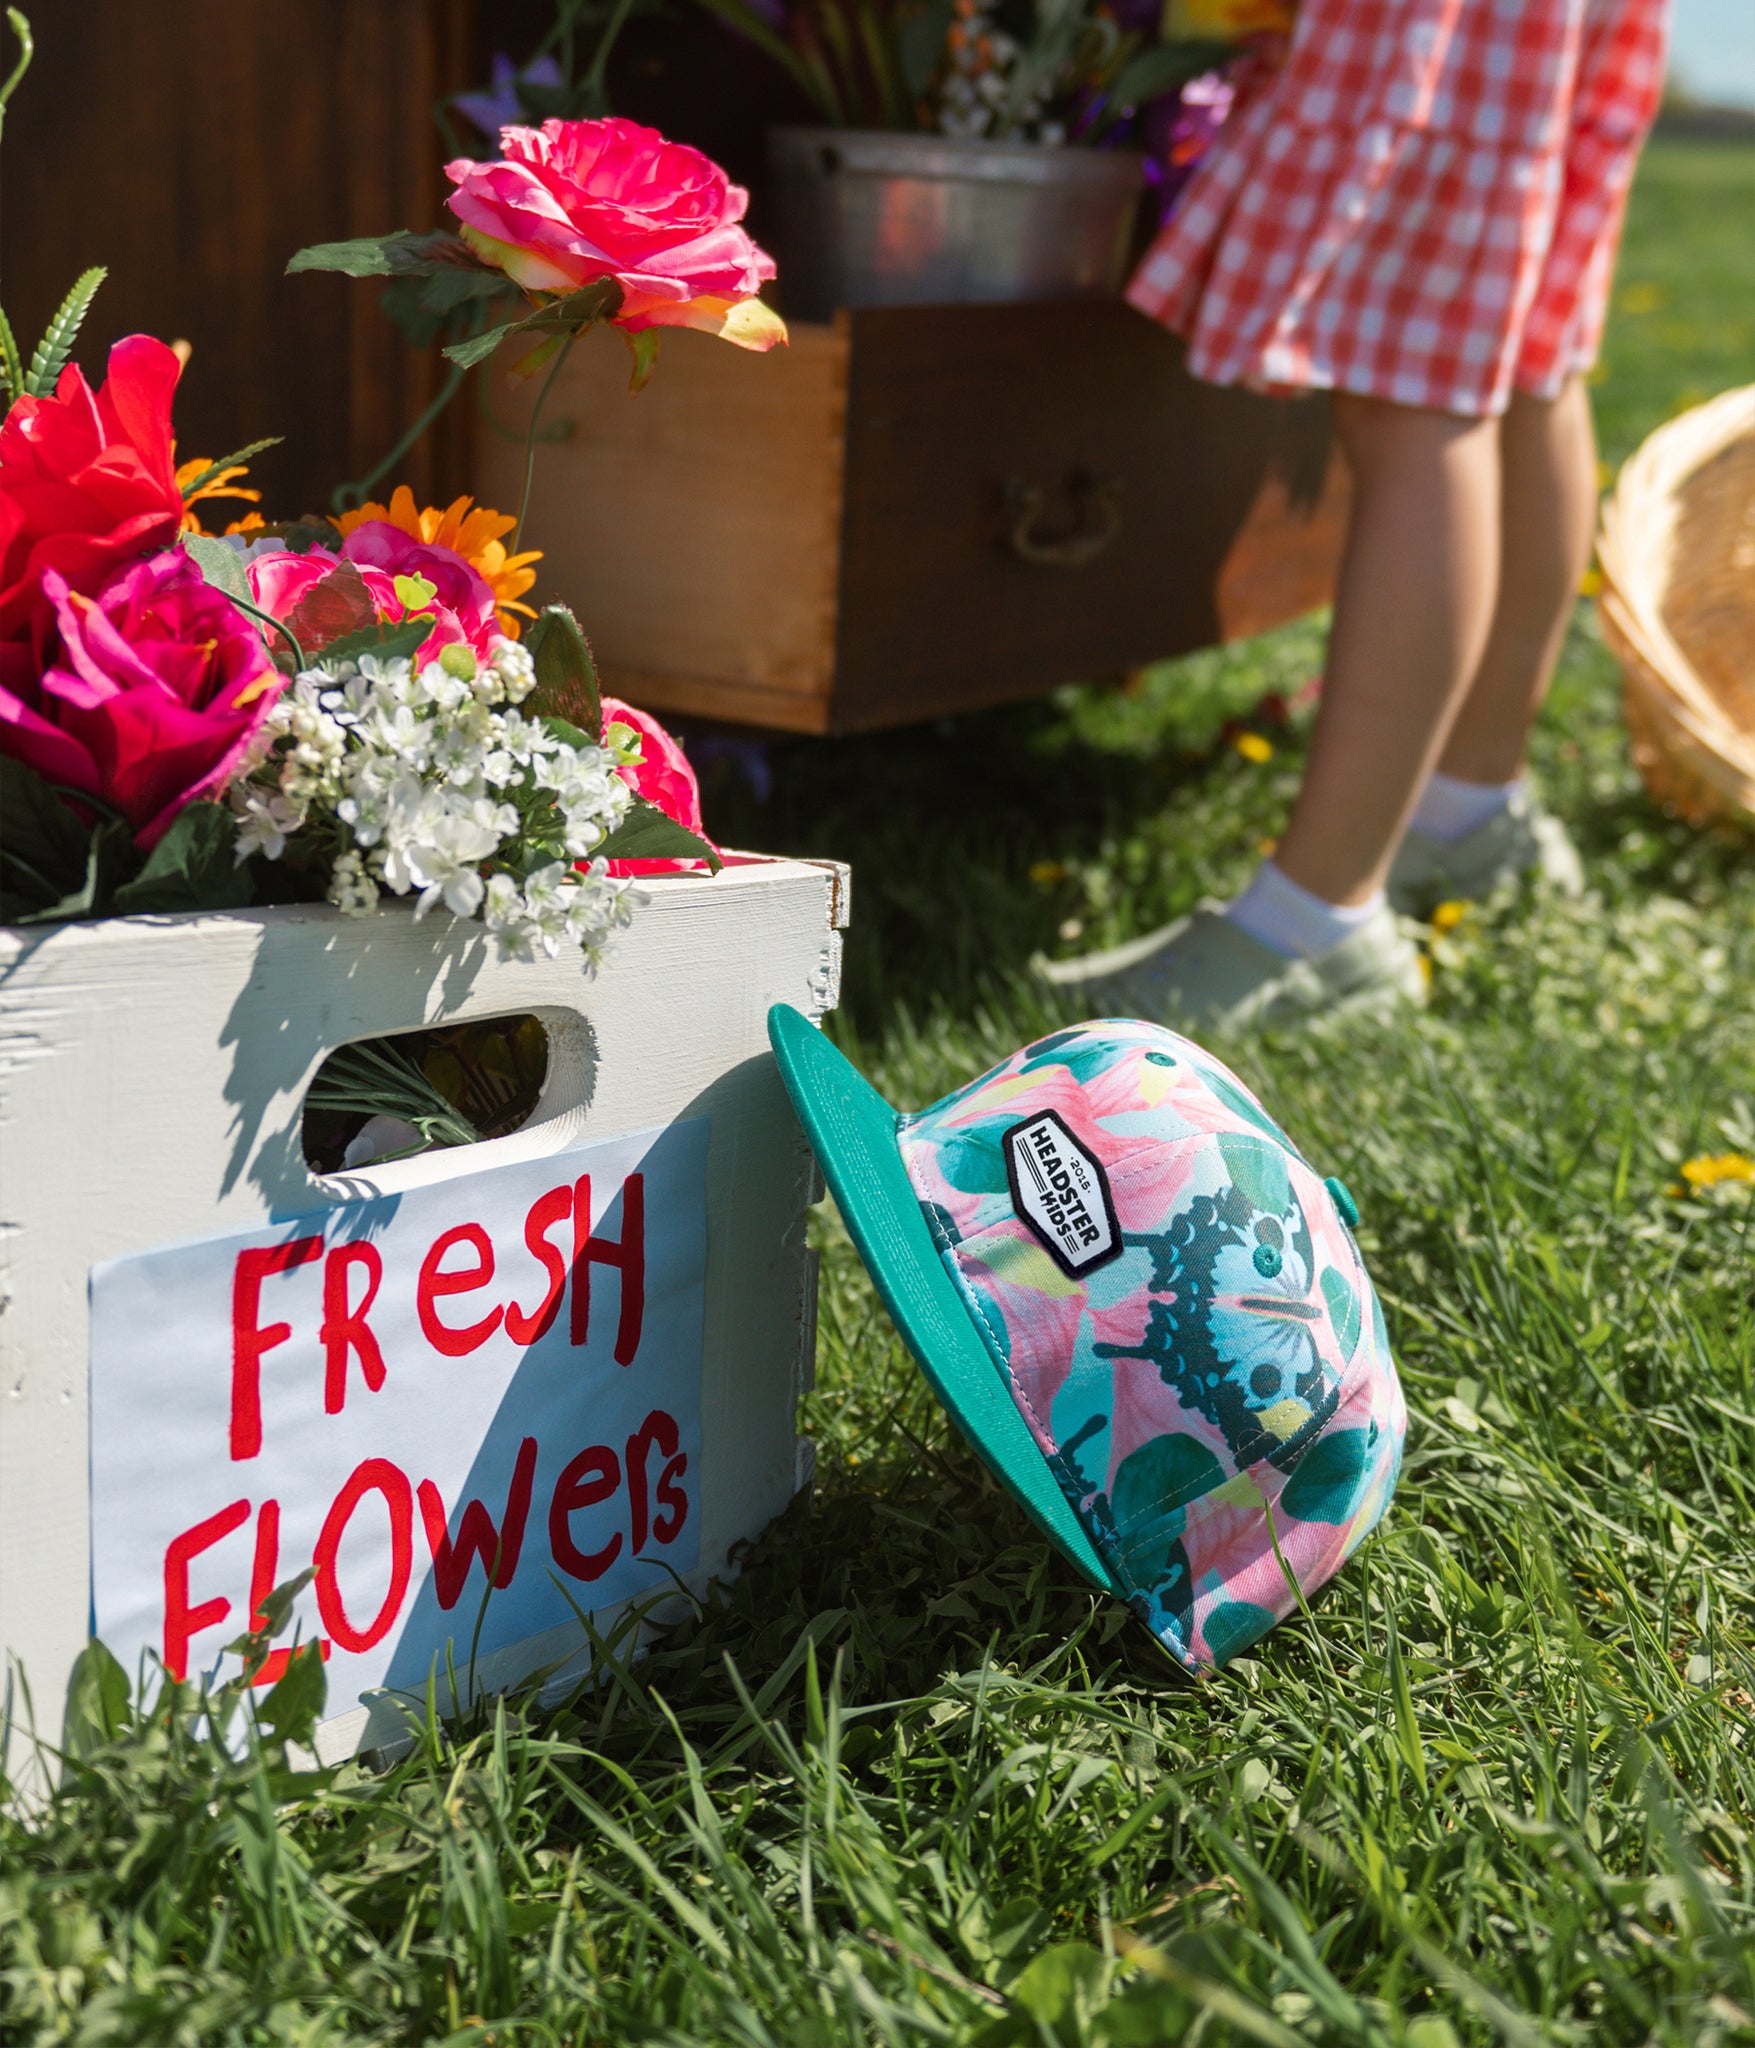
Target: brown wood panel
695, 528
949, 406
192, 146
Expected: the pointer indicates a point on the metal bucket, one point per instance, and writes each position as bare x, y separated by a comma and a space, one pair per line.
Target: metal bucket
878, 219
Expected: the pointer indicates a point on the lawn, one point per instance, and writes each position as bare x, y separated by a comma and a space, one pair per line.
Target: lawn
909, 1781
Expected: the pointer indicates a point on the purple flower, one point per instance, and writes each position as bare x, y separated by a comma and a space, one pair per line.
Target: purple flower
1179, 130
500, 106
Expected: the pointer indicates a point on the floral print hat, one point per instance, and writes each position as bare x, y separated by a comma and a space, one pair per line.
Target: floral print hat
1139, 1303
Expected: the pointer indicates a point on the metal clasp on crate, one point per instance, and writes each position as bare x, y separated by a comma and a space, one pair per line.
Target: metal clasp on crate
1092, 520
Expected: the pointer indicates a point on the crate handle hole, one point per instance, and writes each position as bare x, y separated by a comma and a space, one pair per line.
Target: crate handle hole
407, 1092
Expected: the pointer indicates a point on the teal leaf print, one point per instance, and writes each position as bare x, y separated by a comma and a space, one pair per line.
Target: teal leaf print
1259, 1171
1343, 1309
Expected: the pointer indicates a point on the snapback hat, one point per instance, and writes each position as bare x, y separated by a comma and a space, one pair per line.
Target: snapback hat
1142, 1307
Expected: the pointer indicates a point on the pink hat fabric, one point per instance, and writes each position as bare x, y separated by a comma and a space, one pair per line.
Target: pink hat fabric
1176, 1304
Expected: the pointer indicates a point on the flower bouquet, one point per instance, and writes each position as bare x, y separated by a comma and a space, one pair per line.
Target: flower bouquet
358, 708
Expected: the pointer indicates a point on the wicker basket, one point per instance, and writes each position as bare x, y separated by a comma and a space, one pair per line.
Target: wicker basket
1677, 550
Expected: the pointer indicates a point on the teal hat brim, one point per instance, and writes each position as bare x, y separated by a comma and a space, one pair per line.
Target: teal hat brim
852, 1130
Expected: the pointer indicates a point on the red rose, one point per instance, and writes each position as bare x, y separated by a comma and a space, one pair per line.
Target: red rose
87, 479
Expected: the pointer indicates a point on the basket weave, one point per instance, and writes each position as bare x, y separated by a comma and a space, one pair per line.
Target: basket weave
1677, 550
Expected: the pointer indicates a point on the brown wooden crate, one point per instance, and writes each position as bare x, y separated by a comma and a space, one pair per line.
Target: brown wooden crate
950, 405
695, 529
818, 540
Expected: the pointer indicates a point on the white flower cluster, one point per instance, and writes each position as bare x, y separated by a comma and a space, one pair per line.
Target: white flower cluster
431, 782
983, 93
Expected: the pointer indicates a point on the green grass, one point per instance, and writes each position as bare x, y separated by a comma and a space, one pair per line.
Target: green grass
908, 1781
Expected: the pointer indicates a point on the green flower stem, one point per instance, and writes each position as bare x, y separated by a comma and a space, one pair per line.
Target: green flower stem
27, 49
530, 437
268, 619
345, 497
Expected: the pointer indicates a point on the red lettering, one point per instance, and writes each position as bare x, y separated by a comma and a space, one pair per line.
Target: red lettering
545, 1212
668, 1526
266, 1561
375, 1475
263, 1571
628, 1255
251, 1339
344, 1329
660, 1429
275, 1663
498, 1549
181, 1620
434, 1284
589, 1478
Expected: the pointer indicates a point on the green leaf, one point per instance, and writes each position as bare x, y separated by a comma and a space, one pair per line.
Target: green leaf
301, 535
478, 347
645, 348
337, 608
570, 315
97, 1709
920, 45
387, 642
193, 867
815, 85
43, 846
221, 564
106, 856
11, 369
294, 1704
566, 675
57, 343
226, 462
1407, 1721
425, 308
406, 253
647, 833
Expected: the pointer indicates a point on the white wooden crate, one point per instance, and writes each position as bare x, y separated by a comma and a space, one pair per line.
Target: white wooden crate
152, 1080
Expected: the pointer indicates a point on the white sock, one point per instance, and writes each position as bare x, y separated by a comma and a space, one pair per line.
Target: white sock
1281, 914
1450, 810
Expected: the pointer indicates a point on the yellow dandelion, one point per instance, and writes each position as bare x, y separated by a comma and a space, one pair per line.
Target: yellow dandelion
1448, 916
467, 529
223, 483
1045, 873
1253, 747
1590, 582
1712, 1169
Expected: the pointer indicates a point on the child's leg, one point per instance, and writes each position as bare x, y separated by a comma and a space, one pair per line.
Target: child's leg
1548, 498
1412, 617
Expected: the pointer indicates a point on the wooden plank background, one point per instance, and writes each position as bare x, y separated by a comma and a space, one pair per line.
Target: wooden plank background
192, 146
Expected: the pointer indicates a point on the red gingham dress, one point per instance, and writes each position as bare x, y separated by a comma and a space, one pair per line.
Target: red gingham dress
1422, 204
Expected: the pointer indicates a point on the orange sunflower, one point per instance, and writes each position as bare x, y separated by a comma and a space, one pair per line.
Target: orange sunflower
199, 478
467, 529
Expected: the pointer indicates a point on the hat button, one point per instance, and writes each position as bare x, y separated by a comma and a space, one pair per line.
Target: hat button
1343, 1201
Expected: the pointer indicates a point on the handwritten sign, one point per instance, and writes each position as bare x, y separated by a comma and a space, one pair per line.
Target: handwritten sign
483, 1390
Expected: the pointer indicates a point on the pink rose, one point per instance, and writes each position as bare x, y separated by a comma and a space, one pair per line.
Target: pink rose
462, 607
663, 777
156, 689
575, 201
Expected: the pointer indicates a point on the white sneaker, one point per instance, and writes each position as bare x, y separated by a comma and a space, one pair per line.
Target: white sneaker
1205, 970
1522, 839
